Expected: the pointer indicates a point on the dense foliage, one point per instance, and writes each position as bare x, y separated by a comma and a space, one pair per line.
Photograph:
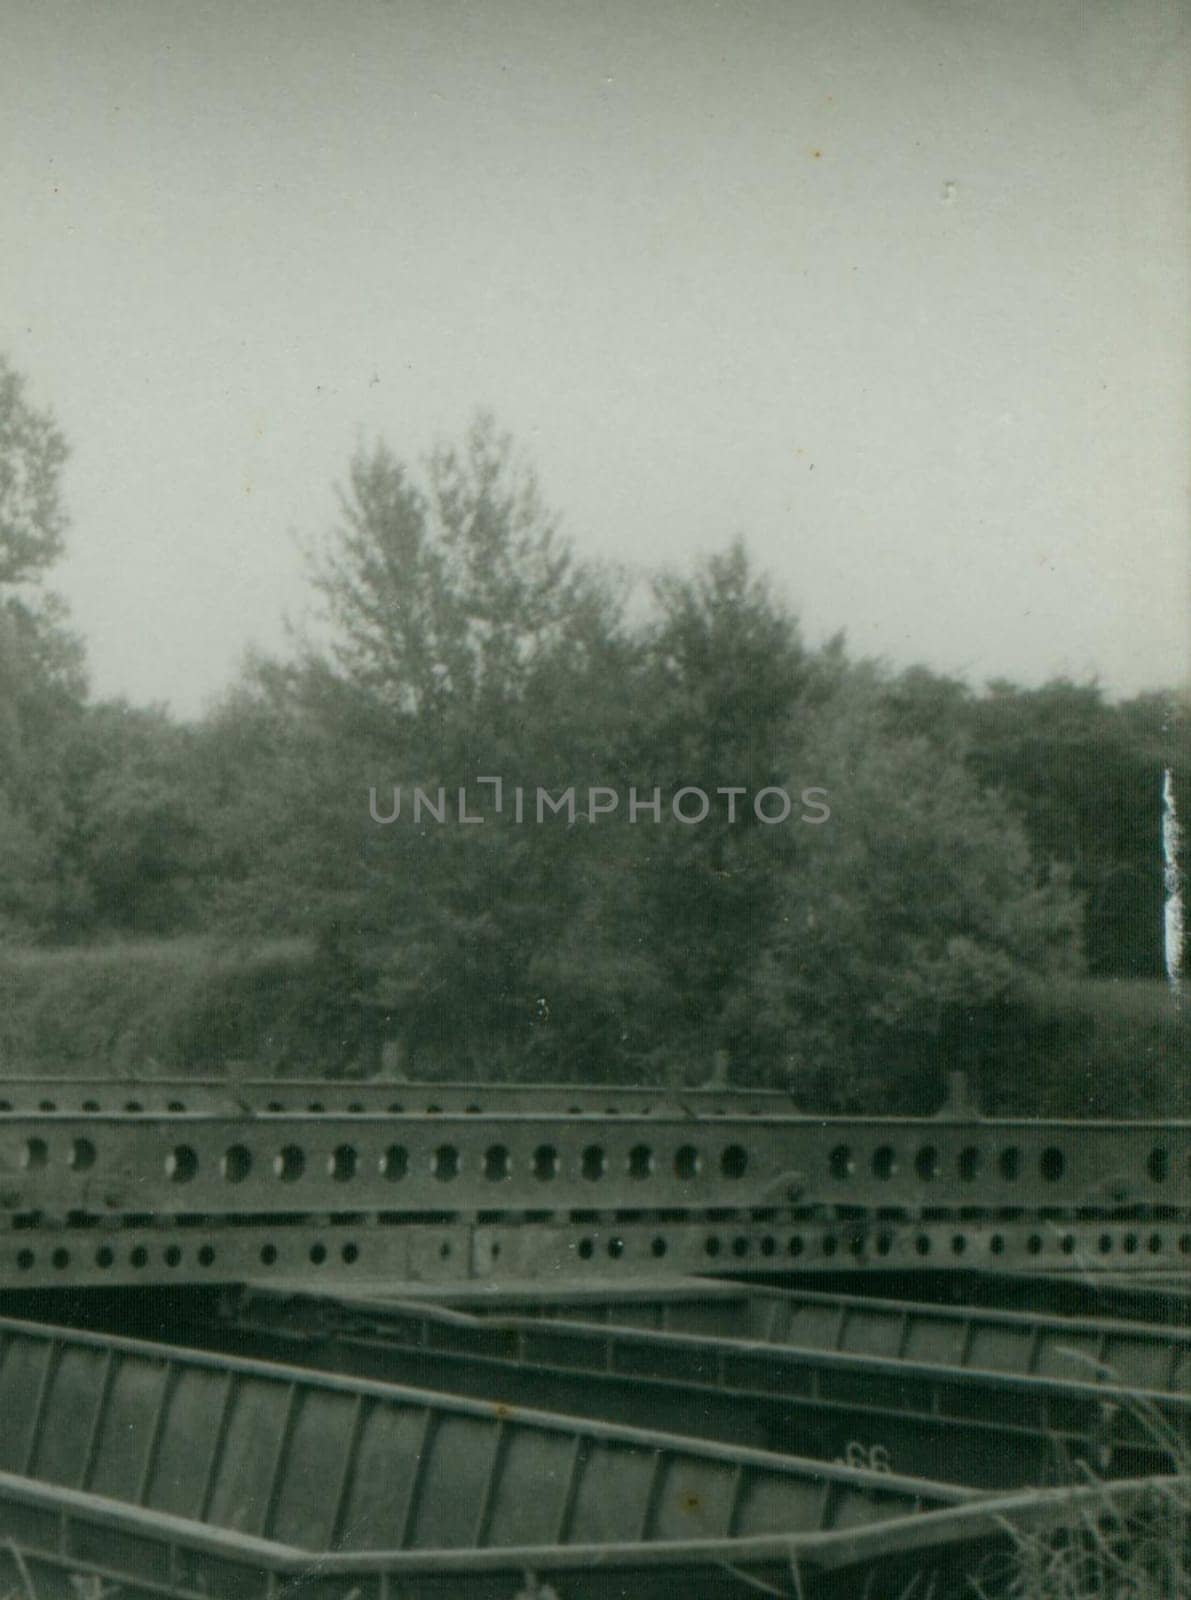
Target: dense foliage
947, 851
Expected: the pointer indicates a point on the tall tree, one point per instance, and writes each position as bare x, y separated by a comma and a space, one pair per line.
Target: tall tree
464, 641
42, 684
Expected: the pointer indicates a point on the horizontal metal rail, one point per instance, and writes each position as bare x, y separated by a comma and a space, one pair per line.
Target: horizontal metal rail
1078, 1349
56, 1538
265, 1096
335, 1463
968, 1424
258, 1163
47, 1249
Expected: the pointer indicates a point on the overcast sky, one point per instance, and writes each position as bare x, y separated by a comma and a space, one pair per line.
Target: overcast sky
897, 289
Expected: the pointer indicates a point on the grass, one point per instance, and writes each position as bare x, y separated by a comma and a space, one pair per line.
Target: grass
1105, 1549
158, 1007
1102, 1551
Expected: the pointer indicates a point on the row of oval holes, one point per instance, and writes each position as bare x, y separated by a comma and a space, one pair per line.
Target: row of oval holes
928, 1163
615, 1248
830, 1245
289, 1164
138, 1256
343, 1163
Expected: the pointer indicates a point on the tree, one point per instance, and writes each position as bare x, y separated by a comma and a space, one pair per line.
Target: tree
1086, 778
42, 684
908, 922
33, 452
465, 640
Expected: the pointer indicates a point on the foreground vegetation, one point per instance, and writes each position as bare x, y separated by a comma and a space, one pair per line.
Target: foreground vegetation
194, 1006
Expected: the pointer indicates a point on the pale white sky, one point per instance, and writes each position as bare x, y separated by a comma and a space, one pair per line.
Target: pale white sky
896, 288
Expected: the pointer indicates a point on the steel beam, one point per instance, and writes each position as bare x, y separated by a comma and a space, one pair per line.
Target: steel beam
994, 1429
281, 1162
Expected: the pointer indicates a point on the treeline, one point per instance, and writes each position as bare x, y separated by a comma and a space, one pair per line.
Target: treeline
981, 848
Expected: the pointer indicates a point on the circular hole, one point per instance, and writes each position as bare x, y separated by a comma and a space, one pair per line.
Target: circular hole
884, 1162
969, 1163
1158, 1166
1009, 1162
46, 1105
206, 1255
794, 1247
268, 1254
104, 1257
884, 1243
434, 1111
355, 1109
616, 1248
829, 1245
82, 1155
61, 1258
657, 1247
236, 1164
1052, 1164
133, 1106
181, 1164
1034, 1244
1154, 1243
34, 1155
173, 1256
926, 1163
175, 1105
1067, 1244
138, 1255
316, 1107
1130, 1244
473, 1110
545, 1162
840, 1162
734, 1161
922, 1244
275, 1105
444, 1250
445, 1163
997, 1244
318, 1254
496, 1163
740, 1246
289, 1163
856, 1245
958, 1244
24, 1259
1104, 1244
586, 1249
687, 1162
88, 1105
640, 1161
396, 1109
395, 1162
350, 1253
711, 1246
1185, 1243
342, 1163
594, 1163
768, 1245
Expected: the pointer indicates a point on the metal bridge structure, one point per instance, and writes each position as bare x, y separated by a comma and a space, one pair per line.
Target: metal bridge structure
541, 1342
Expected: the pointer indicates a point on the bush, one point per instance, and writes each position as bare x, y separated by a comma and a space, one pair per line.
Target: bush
160, 1007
